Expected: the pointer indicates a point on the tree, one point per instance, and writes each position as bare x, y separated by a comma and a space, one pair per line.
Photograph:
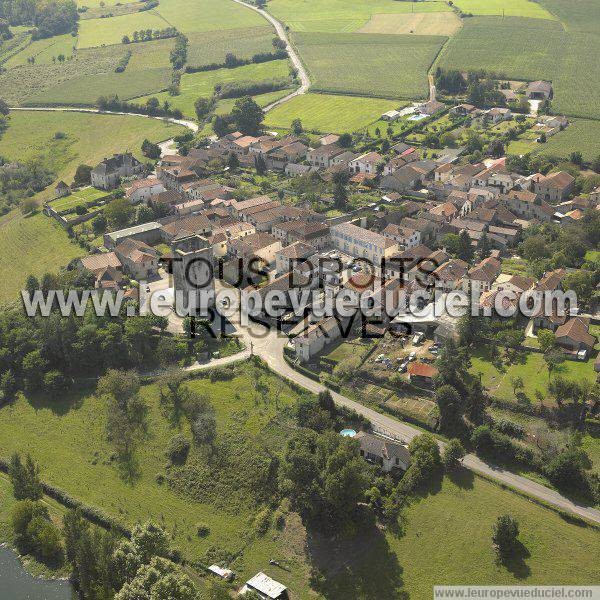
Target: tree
553, 359
119, 212
25, 478
4, 109
425, 462
220, 125
83, 175
464, 249
247, 116
202, 106
260, 165
505, 533
484, 248
451, 409
453, 454
151, 150
297, 126
546, 340
517, 384
150, 539
345, 140
233, 162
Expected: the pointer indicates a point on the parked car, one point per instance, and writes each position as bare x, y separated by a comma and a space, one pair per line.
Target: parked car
412, 356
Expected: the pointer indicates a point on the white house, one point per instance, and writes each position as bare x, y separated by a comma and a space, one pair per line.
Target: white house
142, 190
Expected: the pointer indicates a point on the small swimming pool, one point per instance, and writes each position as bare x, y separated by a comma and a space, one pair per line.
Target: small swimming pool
416, 117
348, 432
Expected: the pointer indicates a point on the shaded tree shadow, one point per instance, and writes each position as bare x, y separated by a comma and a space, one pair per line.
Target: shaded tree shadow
461, 477
129, 467
61, 404
361, 566
515, 563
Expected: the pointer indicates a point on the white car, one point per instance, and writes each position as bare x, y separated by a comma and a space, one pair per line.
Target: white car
412, 356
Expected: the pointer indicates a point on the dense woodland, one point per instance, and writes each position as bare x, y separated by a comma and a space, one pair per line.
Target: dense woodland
48, 17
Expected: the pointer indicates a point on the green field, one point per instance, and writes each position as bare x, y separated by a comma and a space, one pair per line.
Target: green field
195, 85
89, 138
369, 64
187, 17
87, 196
149, 55
580, 136
44, 50
329, 113
22, 82
508, 8
341, 15
225, 106
445, 538
531, 49
534, 372
31, 246
212, 46
85, 91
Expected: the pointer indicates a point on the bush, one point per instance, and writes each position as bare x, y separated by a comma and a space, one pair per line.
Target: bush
509, 428
239, 89
202, 530
80, 209
492, 443
262, 522
178, 449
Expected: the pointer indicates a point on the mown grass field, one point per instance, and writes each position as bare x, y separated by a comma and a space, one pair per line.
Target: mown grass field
202, 84
149, 55
225, 106
89, 138
329, 113
580, 136
430, 23
531, 49
369, 64
508, 8
212, 46
85, 91
86, 196
31, 246
340, 15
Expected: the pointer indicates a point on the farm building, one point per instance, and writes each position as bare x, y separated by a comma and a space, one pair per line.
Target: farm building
107, 174
421, 374
61, 190
265, 587
390, 115
539, 90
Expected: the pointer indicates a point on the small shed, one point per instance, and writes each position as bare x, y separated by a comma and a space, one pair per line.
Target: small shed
226, 574
265, 587
390, 115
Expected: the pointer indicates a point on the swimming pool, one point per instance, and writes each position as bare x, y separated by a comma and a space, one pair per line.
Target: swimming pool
347, 432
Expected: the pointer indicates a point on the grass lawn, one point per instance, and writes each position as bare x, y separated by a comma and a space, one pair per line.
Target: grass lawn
427, 23
534, 372
581, 135
225, 106
363, 64
341, 15
87, 89
149, 55
87, 196
70, 445
211, 46
31, 245
89, 138
324, 112
196, 85
508, 8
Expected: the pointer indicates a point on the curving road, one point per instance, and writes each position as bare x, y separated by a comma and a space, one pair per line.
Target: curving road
281, 33
269, 346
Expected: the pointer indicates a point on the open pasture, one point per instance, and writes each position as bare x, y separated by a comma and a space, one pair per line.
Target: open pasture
202, 84
580, 136
431, 23
369, 64
87, 89
212, 46
329, 113
341, 15
44, 51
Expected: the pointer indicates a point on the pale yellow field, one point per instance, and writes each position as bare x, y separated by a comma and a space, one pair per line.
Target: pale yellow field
440, 23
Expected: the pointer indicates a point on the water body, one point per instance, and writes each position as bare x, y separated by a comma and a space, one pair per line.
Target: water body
17, 584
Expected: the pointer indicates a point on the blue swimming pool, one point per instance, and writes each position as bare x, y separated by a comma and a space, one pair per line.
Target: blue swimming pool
348, 432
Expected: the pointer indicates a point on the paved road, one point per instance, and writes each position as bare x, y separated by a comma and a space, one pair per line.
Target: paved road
269, 346
281, 32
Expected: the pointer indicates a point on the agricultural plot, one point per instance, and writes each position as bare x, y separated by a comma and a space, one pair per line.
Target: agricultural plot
414, 23
18, 42
149, 55
508, 8
99, 32
369, 64
325, 113
86, 90
87, 196
41, 246
196, 85
44, 51
342, 16
88, 138
224, 106
531, 49
20, 83
212, 46
580, 136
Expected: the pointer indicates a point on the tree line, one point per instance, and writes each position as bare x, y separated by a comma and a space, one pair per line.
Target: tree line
49, 18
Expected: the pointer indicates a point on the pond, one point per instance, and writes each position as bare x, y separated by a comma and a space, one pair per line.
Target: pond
17, 584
